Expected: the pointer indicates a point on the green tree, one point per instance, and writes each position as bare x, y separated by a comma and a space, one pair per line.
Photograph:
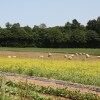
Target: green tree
42, 26
8, 25
75, 24
54, 37
68, 26
91, 25
98, 26
78, 38
92, 39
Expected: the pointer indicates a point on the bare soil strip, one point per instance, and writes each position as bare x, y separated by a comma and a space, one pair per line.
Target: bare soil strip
52, 83
36, 55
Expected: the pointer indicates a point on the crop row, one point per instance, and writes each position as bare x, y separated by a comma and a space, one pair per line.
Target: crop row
26, 90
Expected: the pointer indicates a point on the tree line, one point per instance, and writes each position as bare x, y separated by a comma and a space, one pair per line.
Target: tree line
71, 35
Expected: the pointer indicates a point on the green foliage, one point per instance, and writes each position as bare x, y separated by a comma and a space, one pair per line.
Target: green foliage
72, 35
18, 91
33, 91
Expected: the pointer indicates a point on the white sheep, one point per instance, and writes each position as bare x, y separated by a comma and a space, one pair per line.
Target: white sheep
87, 55
98, 57
83, 53
70, 58
49, 54
65, 56
14, 56
80, 53
72, 55
9, 56
76, 54
41, 56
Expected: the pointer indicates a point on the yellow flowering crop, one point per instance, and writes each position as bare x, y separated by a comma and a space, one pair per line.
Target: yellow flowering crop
85, 72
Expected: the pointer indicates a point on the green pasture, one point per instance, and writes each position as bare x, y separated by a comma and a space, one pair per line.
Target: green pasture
57, 50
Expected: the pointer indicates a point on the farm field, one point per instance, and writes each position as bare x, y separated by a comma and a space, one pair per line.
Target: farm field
25, 89
28, 62
85, 72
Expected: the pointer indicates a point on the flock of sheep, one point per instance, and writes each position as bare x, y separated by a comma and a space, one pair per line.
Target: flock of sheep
49, 55
69, 57
76, 54
11, 56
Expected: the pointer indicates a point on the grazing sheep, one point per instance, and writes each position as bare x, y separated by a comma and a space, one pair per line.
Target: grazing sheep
87, 55
72, 55
98, 57
76, 54
83, 53
65, 56
14, 56
70, 58
41, 56
9, 56
49, 54
80, 53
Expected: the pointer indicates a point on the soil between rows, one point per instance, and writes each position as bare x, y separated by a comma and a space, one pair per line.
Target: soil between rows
52, 83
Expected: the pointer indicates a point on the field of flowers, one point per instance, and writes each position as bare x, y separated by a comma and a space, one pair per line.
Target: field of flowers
85, 72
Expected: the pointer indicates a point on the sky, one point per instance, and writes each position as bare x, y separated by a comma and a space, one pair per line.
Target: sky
50, 12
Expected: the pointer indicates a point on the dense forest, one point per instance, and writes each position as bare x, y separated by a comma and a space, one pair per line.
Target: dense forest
71, 35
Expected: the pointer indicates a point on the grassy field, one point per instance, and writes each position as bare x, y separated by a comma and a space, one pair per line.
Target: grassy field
85, 72
59, 50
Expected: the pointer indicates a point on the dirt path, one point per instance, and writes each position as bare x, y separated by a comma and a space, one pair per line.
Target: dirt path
55, 56
52, 83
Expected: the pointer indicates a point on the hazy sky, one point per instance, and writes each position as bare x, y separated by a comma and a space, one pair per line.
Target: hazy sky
50, 12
